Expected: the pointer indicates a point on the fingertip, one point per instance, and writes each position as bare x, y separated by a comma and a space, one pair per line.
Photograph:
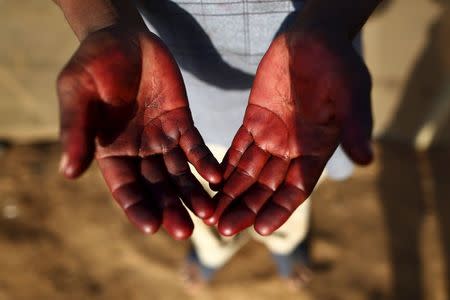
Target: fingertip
205, 212
211, 221
63, 162
223, 201
271, 217
362, 154
200, 202
229, 229
64, 168
208, 167
68, 169
263, 229
226, 230
182, 234
147, 229
210, 170
235, 220
177, 222
73, 163
225, 227
143, 218
369, 154
364, 161
214, 177
72, 172
264, 226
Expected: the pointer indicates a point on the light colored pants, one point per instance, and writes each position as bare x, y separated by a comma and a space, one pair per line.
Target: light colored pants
214, 250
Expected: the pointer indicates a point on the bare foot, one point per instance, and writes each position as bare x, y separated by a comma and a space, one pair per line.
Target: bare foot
192, 279
300, 278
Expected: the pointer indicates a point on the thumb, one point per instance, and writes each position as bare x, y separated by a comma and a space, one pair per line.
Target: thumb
77, 125
357, 131
354, 96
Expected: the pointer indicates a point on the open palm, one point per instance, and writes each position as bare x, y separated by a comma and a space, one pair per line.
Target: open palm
123, 101
311, 92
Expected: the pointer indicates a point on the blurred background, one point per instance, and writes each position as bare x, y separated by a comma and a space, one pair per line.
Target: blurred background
383, 234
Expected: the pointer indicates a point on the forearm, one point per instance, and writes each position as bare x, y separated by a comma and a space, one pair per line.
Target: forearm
346, 16
86, 16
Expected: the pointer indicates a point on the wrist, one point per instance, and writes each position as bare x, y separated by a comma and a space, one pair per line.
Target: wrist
88, 16
344, 17
85, 29
318, 30
317, 36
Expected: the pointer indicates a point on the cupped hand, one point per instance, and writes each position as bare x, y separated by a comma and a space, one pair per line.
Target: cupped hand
311, 92
123, 101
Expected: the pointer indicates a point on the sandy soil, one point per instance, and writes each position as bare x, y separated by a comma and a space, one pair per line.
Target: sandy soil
384, 234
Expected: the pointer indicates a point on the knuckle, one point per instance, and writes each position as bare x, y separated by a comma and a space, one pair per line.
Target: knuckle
65, 79
74, 79
198, 152
247, 173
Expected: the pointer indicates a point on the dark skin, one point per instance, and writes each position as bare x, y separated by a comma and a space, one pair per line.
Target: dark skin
123, 102
311, 93
298, 113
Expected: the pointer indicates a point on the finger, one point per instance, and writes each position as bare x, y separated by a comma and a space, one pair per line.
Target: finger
128, 189
155, 140
356, 140
194, 195
241, 142
200, 156
358, 122
77, 124
154, 170
242, 215
223, 201
239, 214
246, 172
176, 220
244, 175
192, 192
273, 173
302, 176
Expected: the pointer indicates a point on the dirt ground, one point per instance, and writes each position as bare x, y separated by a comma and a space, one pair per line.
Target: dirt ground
384, 234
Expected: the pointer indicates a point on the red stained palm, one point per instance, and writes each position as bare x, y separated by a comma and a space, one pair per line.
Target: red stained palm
123, 100
311, 92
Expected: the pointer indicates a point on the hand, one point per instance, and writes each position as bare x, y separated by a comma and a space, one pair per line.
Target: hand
123, 100
311, 92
